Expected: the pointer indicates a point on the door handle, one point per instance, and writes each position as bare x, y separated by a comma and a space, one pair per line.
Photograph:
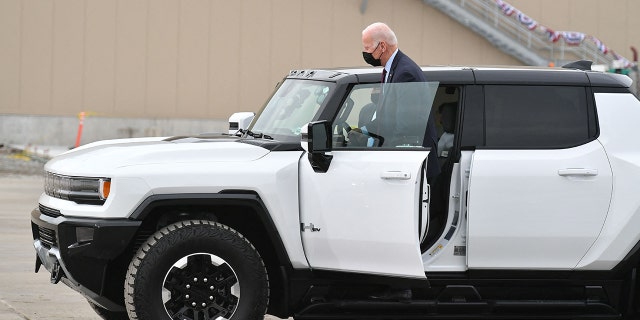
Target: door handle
578, 172
395, 175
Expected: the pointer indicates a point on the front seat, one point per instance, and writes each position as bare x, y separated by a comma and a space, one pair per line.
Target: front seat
438, 207
448, 112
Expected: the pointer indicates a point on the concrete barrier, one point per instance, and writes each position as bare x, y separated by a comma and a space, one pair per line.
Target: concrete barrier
62, 131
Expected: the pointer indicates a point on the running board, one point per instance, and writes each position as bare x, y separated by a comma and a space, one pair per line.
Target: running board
432, 309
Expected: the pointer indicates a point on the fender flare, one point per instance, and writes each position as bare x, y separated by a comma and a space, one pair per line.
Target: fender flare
241, 198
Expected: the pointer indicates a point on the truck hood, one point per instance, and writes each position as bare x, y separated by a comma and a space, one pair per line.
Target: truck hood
105, 157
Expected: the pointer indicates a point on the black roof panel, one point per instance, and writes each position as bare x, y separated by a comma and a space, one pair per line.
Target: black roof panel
479, 75
531, 76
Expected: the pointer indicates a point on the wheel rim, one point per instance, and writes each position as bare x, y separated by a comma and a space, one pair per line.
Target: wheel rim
200, 286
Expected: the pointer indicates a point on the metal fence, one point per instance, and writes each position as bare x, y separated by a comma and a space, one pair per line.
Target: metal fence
558, 52
535, 46
537, 40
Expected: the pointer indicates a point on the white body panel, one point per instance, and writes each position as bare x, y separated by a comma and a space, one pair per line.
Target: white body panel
619, 117
536, 209
174, 168
368, 223
114, 142
565, 209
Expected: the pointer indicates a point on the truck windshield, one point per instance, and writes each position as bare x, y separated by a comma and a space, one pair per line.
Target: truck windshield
293, 105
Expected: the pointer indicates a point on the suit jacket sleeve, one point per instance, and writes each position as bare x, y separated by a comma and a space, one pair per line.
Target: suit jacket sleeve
406, 70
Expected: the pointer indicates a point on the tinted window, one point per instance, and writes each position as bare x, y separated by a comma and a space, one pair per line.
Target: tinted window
394, 115
473, 118
536, 116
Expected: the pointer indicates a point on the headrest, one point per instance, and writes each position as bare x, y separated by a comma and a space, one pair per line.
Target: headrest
448, 113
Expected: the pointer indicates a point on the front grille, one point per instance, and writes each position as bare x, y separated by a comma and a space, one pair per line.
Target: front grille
47, 237
49, 212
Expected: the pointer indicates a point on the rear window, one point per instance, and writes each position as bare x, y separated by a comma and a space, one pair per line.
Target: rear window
536, 116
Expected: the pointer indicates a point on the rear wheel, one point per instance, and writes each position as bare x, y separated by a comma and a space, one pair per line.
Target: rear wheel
197, 270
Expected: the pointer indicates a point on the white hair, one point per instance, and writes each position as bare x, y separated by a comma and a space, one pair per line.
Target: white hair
381, 32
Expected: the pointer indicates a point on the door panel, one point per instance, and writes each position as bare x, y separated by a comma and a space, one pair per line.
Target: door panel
536, 209
364, 211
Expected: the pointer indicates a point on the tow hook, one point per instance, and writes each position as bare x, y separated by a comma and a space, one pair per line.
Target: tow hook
38, 263
56, 273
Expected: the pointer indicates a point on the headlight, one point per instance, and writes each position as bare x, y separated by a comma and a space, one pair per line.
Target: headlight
81, 190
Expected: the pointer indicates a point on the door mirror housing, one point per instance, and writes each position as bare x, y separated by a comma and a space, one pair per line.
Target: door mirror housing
319, 137
316, 140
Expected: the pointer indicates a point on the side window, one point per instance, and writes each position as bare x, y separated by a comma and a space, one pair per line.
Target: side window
445, 110
390, 116
536, 116
357, 115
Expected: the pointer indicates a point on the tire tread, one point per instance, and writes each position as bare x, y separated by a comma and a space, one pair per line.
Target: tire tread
166, 237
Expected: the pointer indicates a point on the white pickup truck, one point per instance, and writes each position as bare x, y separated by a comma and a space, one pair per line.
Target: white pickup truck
322, 203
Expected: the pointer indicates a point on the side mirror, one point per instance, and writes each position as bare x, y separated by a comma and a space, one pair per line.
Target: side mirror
319, 137
240, 120
316, 140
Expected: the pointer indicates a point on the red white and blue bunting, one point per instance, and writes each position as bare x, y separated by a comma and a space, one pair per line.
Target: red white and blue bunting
626, 63
527, 21
599, 44
571, 38
553, 36
506, 8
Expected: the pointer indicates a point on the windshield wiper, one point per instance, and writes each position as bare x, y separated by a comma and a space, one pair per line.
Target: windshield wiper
249, 133
257, 135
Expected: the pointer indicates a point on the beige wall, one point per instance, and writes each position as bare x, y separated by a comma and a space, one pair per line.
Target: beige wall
209, 58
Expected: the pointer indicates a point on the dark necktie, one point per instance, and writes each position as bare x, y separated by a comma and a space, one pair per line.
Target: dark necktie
379, 104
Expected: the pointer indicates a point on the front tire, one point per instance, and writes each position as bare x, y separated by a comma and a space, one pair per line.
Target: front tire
197, 269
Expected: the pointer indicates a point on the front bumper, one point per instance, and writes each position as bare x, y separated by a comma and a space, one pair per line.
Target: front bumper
82, 253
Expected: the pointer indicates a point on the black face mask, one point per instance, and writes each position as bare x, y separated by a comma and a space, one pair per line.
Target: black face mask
368, 58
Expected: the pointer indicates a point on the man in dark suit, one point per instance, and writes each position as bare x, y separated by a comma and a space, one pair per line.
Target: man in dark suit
401, 110
381, 49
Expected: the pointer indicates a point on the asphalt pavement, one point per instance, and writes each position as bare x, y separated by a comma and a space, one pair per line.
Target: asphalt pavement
23, 293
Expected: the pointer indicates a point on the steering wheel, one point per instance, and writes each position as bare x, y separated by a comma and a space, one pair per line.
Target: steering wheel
344, 126
375, 136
